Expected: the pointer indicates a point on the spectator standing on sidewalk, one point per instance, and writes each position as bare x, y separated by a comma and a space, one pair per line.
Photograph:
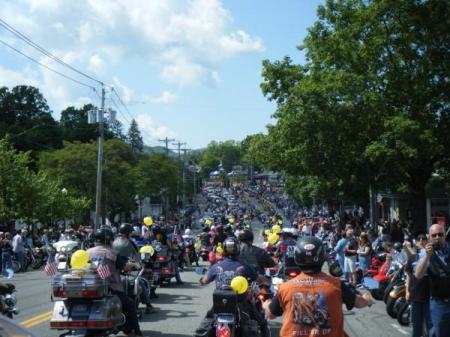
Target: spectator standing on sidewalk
418, 291
436, 264
18, 247
350, 252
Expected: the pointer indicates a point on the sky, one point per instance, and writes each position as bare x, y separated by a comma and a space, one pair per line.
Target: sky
187, 70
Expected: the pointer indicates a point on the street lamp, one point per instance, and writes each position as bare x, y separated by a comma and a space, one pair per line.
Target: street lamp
64, 193
138, 202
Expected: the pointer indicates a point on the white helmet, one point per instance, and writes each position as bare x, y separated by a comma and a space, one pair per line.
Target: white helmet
187, 231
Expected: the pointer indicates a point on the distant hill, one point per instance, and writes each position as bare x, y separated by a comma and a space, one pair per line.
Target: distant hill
162, 149
158, 149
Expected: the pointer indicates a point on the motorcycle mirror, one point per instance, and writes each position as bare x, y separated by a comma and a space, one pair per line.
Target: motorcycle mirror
200, 270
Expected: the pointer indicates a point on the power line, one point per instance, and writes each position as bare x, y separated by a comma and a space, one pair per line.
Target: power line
44, 51
46, 67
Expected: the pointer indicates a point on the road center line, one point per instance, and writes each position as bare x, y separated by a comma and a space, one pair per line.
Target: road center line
38, 319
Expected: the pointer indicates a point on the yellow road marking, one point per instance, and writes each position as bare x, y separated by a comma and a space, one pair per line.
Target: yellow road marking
28, 323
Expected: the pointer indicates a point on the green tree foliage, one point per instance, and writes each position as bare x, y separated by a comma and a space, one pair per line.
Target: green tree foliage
74, 124
76, 165
32, 196
134, 137
154, 174
370, 105
228, 153
26, 117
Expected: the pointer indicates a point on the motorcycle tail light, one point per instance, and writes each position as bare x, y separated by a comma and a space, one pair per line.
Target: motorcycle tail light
161, 258
261, 297
99, 324
223, 331
89, 293
68, 325
59, 293
166, 271
293, 274
283, 248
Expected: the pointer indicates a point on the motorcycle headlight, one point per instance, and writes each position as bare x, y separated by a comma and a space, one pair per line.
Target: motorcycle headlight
10, 300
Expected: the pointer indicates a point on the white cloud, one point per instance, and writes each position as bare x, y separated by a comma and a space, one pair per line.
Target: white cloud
201, 31
125, 92
96, 64
10, 78
166, 97
149, 128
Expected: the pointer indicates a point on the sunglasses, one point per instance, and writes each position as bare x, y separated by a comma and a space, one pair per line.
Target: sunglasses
437, 235
422, 238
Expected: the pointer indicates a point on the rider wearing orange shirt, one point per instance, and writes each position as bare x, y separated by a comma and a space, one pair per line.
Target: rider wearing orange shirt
312, 301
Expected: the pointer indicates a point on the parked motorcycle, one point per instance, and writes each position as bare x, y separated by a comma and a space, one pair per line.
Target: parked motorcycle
8, 300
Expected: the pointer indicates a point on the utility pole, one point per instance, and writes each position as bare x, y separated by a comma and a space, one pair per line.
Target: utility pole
179, 145
98, 195
183, 198
166, 141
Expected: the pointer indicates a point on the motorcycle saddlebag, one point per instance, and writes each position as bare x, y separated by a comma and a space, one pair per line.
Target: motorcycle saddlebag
225, 302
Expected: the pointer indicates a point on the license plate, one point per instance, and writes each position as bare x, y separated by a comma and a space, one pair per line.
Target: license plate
79, 308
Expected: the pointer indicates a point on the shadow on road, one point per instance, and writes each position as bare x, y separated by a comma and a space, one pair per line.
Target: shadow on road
163, 314
174, 298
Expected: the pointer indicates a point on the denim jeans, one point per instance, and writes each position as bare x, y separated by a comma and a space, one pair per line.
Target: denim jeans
145, 299
20, 258
6, 262
420, 315
440, 317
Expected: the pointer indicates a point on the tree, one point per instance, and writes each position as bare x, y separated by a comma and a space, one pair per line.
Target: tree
228, 153
370, 106
75, 126
155, 173
135, 138
76, 165
26, 117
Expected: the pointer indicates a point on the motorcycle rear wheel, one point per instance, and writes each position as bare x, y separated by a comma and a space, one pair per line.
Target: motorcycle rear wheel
404, 313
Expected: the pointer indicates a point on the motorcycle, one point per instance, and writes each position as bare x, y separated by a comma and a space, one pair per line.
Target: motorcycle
84, 304
164, 265
189, 254
8, 300
230, 320
396, 297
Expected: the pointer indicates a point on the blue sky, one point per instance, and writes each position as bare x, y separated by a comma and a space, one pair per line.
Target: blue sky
189, 70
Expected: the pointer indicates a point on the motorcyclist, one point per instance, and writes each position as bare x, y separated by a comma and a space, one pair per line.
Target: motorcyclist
313, 300
285, 248
253, 255
124, 246
190, 240
103, 238
220, 235
160, 236
223, 272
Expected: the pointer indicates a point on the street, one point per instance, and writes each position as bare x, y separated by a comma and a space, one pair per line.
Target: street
179, 310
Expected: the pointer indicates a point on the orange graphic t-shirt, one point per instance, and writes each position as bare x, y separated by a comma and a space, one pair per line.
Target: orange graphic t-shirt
312, 306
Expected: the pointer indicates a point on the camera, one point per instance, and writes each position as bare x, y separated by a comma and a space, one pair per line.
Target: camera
436, 245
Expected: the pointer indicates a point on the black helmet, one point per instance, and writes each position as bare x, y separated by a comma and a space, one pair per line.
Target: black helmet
104, 235
246, 235
125, 228
309, 254
231, 247
397, 246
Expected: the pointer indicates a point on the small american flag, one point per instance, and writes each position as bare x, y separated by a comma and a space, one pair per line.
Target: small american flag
51, 268
103, 269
